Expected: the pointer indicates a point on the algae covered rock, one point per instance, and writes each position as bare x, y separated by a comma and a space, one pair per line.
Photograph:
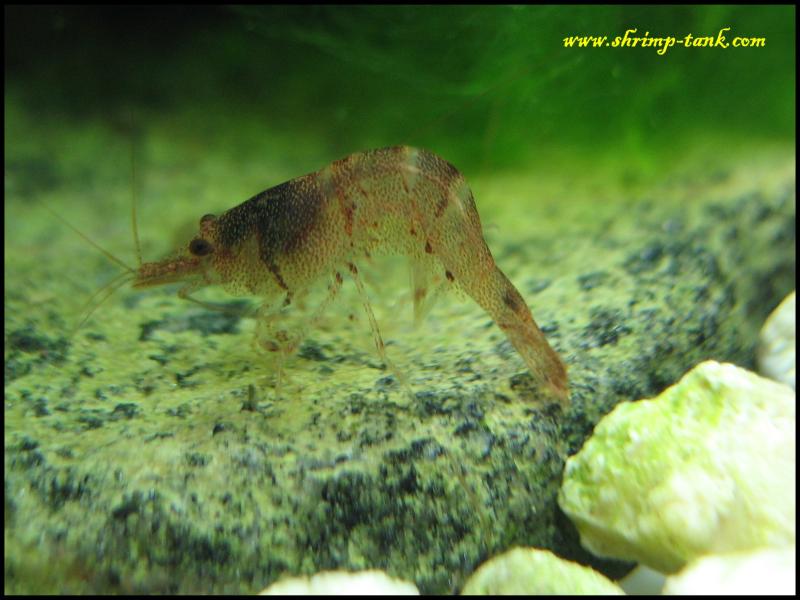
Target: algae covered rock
539, 572
340, 583
708, 466
762, 572
776, 343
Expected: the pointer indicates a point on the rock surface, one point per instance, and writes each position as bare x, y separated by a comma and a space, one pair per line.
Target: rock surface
147, 453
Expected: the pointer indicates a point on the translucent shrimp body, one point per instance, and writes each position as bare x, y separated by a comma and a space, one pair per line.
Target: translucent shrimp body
393, 200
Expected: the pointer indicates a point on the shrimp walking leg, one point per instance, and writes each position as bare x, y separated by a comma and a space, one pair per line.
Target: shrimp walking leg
333, 291
373, 323
268, 337
426, 286
279, 341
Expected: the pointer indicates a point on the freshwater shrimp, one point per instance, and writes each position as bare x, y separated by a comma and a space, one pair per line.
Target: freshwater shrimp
398, 200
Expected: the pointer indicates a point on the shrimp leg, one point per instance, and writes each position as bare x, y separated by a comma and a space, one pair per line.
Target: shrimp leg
279, 341
426, 286
373, 323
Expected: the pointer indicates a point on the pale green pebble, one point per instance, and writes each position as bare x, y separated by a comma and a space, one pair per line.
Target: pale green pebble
642, 581
777, 343
538, 572
706, 467
342, 583
762, 572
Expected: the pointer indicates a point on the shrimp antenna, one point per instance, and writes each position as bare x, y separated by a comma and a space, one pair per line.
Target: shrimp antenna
100, 296
134, 225
91, 242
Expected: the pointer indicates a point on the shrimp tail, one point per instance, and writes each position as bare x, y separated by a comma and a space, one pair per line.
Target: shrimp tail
513, 316
454, 235
493, 291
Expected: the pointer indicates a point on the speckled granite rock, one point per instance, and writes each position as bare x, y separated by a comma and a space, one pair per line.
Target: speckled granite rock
147, 453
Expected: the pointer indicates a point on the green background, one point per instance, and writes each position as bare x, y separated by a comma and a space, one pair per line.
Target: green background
486, 87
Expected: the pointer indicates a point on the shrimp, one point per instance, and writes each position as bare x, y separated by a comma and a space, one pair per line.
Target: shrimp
398, 200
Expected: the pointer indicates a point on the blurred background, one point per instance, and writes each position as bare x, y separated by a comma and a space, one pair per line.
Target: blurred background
486, 87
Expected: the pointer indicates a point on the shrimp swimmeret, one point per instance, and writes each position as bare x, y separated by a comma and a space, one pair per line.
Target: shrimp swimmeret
400, 200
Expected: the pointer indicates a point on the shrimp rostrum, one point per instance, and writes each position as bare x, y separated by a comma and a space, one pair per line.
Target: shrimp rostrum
398, 200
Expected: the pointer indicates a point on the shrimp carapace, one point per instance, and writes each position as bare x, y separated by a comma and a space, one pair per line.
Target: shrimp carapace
397, 200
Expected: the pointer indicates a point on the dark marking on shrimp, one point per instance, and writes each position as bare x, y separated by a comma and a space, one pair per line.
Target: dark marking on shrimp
276, 272
442, 205
348, 211
512, 300
280, 217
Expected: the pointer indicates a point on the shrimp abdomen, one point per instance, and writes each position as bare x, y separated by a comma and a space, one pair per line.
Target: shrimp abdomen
454, 235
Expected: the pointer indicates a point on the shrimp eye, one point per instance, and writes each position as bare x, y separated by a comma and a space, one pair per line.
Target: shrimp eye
206, 218
200, 247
